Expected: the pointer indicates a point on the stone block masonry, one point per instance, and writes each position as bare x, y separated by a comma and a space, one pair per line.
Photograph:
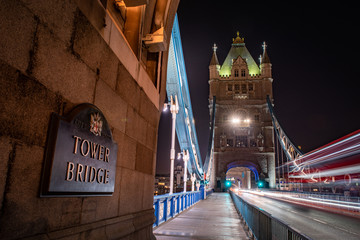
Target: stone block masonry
55, 55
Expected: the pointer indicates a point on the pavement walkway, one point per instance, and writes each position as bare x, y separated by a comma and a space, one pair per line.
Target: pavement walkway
212, 219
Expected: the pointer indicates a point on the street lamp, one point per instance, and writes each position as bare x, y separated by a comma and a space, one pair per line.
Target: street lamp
197, 185
193, 179
186, 157
174, 109
236, 120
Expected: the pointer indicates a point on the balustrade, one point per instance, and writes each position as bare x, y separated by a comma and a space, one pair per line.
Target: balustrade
168, 206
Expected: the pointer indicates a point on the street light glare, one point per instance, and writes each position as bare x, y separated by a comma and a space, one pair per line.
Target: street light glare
235, 120
165, 107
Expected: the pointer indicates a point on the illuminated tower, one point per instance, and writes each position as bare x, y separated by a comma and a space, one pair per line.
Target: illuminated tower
243, 128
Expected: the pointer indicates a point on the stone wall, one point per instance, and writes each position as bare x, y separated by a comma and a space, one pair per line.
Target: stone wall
55, 55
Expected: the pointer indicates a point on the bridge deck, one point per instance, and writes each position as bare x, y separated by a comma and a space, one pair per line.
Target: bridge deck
213, 218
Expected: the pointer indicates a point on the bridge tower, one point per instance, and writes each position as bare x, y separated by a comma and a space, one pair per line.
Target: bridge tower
243, 129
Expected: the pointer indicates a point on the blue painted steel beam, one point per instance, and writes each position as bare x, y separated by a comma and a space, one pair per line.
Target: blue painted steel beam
177, 84
290, 150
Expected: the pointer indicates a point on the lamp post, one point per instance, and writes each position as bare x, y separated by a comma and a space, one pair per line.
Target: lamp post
174, 109
193, 179
186, 159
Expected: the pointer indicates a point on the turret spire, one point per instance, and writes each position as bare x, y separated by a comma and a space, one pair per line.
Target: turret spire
264, 46
265, 58
214, 59
265, 65
214, 47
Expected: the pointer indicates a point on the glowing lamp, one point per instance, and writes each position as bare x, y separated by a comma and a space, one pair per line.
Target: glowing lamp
260, 184
165, 107
235, 120
227, 184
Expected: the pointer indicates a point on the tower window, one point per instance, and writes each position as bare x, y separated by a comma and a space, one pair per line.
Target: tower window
243, 88
230, 87
243, 72
257, 117
237, 88
236, 73
241, 141
251, 87
229, 142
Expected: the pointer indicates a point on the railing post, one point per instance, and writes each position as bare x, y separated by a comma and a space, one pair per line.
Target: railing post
178, 204
172, 206
156, 212
187, 200
168, 206
202, 190
165, 209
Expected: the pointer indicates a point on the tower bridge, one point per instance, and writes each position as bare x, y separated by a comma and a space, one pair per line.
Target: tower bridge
243, 130
82, 87
245, 143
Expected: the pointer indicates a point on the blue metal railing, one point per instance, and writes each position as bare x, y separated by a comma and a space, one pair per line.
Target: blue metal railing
262, 225
168, 206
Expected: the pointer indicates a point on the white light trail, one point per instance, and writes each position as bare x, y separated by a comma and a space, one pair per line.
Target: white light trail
332, 145
298, 199
331, 172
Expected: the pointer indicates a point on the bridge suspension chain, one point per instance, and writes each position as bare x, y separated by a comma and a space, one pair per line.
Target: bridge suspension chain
290, 150
209, 160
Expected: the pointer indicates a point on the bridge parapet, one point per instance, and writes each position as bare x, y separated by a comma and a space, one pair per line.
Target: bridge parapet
261, 224
168, 206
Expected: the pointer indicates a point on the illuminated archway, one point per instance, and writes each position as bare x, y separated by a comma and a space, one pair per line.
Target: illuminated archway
242, 174
253, 167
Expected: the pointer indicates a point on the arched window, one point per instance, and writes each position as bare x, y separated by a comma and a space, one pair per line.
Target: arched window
243, 72
236, 73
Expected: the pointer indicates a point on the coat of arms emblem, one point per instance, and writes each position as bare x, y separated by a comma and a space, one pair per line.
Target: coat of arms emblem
96, 124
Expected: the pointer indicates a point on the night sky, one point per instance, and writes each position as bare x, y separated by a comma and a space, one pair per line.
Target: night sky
314, 51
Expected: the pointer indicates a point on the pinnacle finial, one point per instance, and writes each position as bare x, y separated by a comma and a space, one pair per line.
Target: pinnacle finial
214, 47
238, 39
265, 57
264, 45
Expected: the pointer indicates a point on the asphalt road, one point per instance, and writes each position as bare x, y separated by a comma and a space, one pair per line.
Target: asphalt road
315, 223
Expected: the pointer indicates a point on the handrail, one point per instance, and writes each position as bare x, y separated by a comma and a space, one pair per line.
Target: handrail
168, 206
262, 224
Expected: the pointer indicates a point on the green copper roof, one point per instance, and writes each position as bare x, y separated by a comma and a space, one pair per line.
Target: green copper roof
238, 49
